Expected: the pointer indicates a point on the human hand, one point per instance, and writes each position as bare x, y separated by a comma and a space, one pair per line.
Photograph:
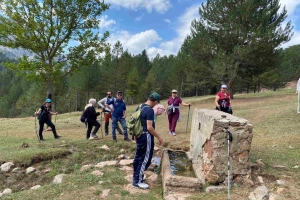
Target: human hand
56, 113
160, 140
296, 92
124, 116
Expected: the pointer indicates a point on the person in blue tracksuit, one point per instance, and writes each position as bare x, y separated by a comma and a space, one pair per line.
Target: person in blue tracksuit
145, 143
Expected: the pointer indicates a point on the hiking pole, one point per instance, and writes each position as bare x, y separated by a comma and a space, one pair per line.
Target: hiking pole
35, 126
229, 139
187, 122
101, 124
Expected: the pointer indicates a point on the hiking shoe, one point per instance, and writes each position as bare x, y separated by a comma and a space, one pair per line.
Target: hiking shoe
57, 137
140, 185
127, 139
173, 133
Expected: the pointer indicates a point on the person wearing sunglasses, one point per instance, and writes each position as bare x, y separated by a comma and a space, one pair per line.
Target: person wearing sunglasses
107, 112
173, 111
118, 115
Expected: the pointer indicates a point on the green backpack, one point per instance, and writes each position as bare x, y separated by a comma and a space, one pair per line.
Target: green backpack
134, 124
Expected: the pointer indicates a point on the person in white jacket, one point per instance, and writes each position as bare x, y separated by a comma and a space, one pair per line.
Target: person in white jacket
107, 112
298, 92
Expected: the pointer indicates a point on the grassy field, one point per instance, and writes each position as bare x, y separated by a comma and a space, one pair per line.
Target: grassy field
276, 141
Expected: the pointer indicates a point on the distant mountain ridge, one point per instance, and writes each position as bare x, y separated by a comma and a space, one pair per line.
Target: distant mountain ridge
13, 53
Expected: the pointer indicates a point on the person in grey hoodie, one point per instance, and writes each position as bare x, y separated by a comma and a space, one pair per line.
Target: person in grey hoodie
107, 112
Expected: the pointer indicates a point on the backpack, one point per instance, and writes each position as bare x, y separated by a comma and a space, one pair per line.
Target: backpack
83, 116
134, 124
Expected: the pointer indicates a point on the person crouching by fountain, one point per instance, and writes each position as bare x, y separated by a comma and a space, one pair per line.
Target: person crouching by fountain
91, 118
222, 100
145, 143
44, 114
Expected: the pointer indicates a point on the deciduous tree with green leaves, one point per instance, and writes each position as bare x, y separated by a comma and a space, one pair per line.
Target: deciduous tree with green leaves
60, 34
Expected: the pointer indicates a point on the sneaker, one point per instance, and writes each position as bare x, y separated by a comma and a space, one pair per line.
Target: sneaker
173, 133
42, 140
57, 137
127, 139
115, 140
106, 134
94, 136
170, 133
140, 185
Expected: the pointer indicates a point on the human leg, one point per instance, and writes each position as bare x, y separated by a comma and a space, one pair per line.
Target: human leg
114, 122
142, 160
41, 123
52, 126
97, 126
106, 121
170, 122
89, 130
124, 126
175, 117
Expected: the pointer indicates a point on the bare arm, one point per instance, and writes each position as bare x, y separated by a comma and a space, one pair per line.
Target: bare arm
217, 101
185, 104
153, 132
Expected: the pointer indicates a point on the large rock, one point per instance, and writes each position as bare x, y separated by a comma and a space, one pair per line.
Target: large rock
58, 178
209, 146
30, 170
7, 191
7, 166
106, 163
260, 193
86, 167
126, 162
35, 187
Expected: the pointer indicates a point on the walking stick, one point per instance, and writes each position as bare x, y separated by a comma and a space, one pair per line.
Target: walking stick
35, 127
101, 125
187, 122
229, 139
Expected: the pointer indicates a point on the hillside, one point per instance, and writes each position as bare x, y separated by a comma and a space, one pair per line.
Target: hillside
276, 141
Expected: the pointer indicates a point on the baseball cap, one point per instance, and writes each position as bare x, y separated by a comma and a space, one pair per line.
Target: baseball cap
223, 86
155, 96
119, 92
48, 100
174, 90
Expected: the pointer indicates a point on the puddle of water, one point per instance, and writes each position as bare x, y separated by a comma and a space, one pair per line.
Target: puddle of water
180, 164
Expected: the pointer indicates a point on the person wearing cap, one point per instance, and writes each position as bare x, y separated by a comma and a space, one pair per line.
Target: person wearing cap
44, 118
118, 115
145, 143
222, 100
173, 110
298, 93
107, 112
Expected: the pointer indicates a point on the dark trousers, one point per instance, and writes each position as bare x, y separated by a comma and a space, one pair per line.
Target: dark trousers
90, 127
49, 123
173, 118
143, 156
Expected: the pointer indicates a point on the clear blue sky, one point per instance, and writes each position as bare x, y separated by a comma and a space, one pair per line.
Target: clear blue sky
160, 26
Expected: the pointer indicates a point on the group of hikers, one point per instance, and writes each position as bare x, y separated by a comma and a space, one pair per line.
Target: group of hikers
115, 108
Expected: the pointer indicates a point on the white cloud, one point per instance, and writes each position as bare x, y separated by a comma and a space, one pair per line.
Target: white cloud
183, 28
104, 22
153, 51
167, 20
135, 43
139, 18
160, 6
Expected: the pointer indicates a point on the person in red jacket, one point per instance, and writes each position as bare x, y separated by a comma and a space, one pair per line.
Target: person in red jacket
223, 100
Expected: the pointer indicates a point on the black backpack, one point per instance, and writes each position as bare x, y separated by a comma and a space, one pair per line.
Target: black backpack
83, 116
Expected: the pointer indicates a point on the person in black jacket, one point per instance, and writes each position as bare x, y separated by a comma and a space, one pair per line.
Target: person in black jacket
91, 119
44, 114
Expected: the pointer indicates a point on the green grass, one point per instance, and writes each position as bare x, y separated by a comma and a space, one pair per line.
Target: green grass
276, 142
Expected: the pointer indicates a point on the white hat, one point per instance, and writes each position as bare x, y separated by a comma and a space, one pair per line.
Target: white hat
223, 86
174, 91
